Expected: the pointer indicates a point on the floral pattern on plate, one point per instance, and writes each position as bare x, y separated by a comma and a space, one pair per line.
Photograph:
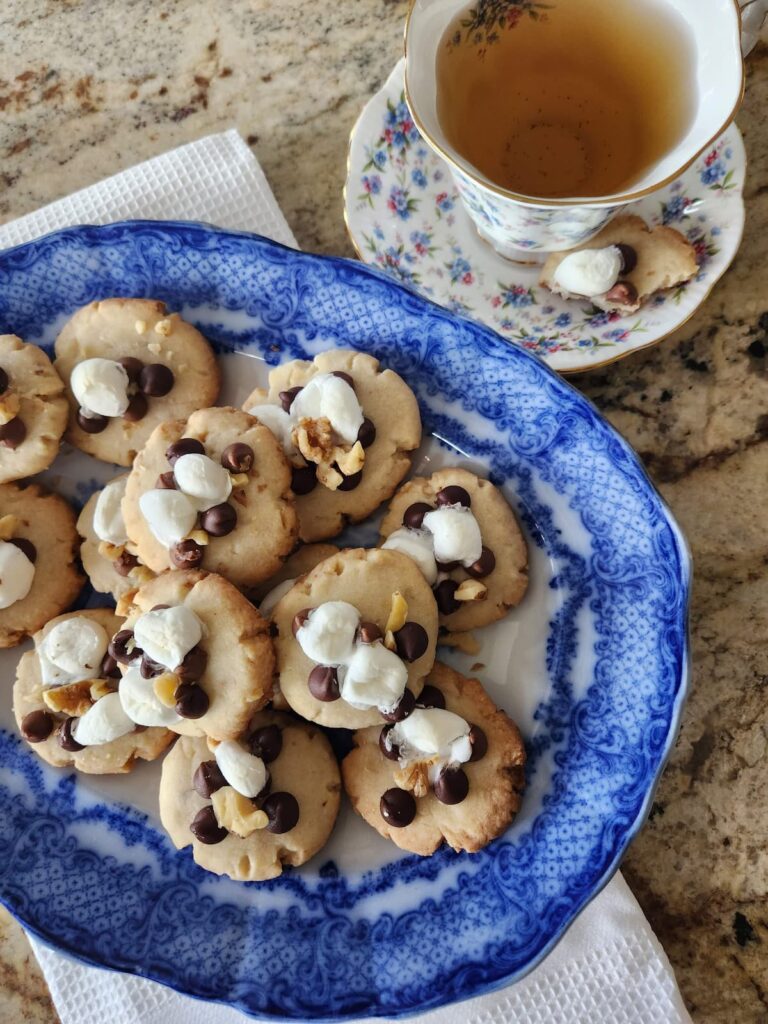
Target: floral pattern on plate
404, 215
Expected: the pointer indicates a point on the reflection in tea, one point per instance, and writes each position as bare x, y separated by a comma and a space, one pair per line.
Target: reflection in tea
565, 99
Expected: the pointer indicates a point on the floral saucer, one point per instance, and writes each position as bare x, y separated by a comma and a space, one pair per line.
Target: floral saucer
404, 215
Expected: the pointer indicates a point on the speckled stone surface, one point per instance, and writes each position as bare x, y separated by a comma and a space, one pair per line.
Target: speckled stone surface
89, 88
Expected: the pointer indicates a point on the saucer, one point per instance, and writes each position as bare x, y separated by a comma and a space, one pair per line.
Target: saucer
404, 216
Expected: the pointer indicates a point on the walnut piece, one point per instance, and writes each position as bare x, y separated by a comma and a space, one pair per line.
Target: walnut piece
165, 687
8, 526
398, 613
236, 812
414, 777
471, 590
314, 439
73, 699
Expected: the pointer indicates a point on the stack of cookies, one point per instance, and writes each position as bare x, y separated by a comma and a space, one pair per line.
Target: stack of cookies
238, 633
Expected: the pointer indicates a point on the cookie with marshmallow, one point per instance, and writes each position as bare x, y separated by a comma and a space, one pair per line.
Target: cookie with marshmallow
453, 771
39, 571
66, 700
212, 492
355, 639
348, 428
461, 532
251, 805
195, 655
128, 365
106, 553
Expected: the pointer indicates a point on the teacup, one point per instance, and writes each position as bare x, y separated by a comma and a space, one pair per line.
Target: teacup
522, 226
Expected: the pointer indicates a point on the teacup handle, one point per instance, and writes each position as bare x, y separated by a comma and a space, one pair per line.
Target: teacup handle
753, 13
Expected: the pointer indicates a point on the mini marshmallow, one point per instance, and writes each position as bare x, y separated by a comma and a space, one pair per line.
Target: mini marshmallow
103, 722
167, 635
432, 732
326, 395
170, 515
16, 574
100, 387
375, 677
269, 603
589, 272
328, 635
243, 771
419, 546
108, 522
141, 704
276, 419
205, 482
455, 533
73, 650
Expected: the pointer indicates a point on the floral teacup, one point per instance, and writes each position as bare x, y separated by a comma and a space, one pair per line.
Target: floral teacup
522, 226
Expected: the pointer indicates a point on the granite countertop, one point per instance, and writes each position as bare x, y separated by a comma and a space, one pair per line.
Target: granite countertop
89, 88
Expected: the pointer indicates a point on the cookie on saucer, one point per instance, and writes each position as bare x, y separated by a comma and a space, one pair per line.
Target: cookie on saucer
128, 365
461, 531
66, 702
348, 428
33, 409
212, 491
112, 567
249, 806
39, 571
453, 771
195, 654
355, 639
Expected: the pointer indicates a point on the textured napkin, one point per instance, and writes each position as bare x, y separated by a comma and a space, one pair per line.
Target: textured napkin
609, 966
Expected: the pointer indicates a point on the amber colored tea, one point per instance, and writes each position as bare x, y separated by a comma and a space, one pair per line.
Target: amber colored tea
572, 98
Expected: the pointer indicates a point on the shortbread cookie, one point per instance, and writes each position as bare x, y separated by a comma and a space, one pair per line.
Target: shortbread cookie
355, 639
622, 266
348, 428
212, 491
302, 561
66, 702
462, 533
196, 656
112, 567
250, 806
39, 571
33, 409
453, 771
129, 365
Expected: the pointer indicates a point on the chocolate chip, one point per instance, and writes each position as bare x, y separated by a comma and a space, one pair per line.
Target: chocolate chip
150, 668
403, 709
92, 424
349, 483
628, 257
623, 294
323, 683
4, 381
124, 562
366, 435
282, 809
191, 701
156, 380
431, 697
484, 566
184, 446
444, 592
411, 641
12, 433
451, 786
118, 647
206, 829
26, 546
391, 752
132, 367
266, 742
299, 619
37, 726
397, 807
265, 790
193, 666
413, 516
343, 376
369, 633
186, 554
237, 458
207, 779
137, 409
303, 478
109, 669
166, 482
479, 742
66, 739
219, 520
287, 398
453, 495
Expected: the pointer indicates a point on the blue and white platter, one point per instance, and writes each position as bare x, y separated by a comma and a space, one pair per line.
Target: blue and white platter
592, 665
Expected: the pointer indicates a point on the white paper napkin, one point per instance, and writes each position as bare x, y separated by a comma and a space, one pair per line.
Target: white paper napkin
609, 967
